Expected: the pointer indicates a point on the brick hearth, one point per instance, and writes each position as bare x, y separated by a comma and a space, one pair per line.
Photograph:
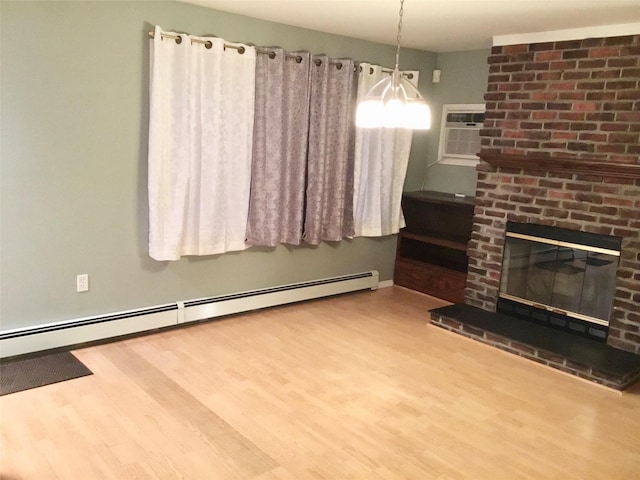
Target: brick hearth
582, 357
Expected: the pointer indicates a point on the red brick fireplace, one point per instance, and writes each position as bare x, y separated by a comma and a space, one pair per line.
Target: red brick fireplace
561, 147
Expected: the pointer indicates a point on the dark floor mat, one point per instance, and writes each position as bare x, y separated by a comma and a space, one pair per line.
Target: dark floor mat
24, 374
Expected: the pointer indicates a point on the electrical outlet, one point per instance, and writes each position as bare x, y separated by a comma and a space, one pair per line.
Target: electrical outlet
82, 283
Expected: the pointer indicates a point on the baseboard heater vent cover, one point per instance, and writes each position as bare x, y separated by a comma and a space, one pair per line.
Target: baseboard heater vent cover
101, 327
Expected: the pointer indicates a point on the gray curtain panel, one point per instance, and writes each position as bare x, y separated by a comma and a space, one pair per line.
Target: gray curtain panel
329, 209
281, 128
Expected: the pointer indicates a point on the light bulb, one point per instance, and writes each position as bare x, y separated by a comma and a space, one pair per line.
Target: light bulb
370, 114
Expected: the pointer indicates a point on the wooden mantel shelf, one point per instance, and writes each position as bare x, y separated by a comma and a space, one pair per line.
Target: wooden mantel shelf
562, 164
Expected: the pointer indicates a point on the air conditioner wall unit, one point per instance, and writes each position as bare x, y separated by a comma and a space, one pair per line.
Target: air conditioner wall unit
460, 134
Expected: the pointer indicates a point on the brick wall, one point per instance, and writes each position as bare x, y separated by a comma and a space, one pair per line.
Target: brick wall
552, 108
575, 98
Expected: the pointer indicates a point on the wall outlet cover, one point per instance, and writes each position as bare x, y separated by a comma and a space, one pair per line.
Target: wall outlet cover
82, 283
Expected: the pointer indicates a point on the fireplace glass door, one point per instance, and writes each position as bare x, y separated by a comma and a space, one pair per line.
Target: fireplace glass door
559, 277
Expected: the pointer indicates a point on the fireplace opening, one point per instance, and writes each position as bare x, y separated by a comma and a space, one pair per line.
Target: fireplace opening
559, 277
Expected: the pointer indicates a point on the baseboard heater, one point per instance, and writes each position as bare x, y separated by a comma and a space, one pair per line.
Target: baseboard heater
102, 327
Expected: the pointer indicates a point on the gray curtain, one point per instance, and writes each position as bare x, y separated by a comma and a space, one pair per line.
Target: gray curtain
281, 124
329, 209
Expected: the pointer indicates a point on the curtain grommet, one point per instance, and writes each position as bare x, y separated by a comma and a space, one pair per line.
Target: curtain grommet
299, 59
208, 44
178, 39
272, 55
240, 50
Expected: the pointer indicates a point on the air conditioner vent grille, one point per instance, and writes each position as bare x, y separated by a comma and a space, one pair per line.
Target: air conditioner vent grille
465, 118
462, 141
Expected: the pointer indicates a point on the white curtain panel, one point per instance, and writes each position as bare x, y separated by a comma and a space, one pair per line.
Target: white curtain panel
381, 159
200, 144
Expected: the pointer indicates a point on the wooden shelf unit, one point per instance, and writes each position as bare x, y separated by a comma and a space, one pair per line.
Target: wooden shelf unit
431, 255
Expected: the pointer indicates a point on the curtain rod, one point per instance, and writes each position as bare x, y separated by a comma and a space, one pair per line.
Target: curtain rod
239, 48
264, 51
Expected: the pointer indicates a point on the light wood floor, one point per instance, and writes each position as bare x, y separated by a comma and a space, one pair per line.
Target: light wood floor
352, 387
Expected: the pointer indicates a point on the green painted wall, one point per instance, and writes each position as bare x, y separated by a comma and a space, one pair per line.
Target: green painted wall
74, 102
464, 80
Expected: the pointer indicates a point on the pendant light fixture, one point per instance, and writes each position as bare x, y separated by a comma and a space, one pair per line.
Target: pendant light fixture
394, 102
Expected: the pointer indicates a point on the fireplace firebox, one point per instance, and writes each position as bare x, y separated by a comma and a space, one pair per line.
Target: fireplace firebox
562, 278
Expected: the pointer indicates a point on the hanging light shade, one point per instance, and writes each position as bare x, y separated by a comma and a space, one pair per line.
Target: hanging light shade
394, 102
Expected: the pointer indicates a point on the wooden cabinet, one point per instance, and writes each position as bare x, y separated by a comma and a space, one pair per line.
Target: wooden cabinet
432, 250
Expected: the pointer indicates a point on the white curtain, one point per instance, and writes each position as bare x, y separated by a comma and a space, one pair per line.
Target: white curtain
200, 143
381, 158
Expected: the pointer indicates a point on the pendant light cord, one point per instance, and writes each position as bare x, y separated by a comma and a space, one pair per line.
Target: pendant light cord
399, 36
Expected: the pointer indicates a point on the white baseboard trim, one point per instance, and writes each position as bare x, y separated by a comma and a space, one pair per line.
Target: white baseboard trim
90, 329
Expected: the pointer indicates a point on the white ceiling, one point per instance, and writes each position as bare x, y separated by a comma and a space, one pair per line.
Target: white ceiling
435, 25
